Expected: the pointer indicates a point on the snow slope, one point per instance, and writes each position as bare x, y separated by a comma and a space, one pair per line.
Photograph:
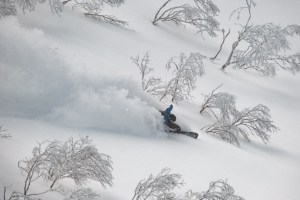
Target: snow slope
69, 76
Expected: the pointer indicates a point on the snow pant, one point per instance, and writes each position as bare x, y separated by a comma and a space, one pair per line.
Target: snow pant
173, 126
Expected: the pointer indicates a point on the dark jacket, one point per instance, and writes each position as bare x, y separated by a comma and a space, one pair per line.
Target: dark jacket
167, 114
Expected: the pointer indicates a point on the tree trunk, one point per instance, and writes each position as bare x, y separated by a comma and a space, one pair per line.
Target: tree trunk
228, 62
155, 20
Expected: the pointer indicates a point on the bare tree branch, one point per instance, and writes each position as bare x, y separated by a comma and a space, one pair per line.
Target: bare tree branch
221, 46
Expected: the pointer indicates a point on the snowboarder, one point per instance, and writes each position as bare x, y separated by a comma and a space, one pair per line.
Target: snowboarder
168, 118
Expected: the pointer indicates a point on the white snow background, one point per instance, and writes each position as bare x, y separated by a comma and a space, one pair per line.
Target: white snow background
70, 76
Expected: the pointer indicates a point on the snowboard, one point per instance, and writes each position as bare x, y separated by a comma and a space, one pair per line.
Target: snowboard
187, 133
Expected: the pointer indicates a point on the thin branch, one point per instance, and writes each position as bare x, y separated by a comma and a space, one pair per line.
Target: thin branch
221, 46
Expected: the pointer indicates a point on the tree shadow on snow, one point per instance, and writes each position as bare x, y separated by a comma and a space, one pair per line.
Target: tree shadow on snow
261, 148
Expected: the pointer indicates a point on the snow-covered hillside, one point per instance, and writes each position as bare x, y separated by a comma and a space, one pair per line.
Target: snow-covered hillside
70, 76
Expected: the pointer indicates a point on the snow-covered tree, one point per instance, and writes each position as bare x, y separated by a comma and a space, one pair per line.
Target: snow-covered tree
221, 101
158, 187
201, 15
263, 47
36, 166
7, 7
256, 121
150, 84
73, 159
218, 190
93, 9
185, 69
80, 161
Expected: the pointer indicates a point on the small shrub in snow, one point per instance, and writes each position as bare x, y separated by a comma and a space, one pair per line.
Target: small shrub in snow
222, 101
264, 47
218, 190
256, 121
77, 160
201, 15
158, 187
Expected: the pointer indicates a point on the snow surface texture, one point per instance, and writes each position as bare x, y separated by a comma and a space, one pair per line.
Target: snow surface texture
68, 76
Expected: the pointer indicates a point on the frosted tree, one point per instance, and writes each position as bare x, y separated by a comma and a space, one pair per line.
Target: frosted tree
80, 161
158, 187
150, 84
35, 167
264, 47
256, 121
200, 15
185, 69
73, 159
218, 190
221, 102
7, 7
93, 9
